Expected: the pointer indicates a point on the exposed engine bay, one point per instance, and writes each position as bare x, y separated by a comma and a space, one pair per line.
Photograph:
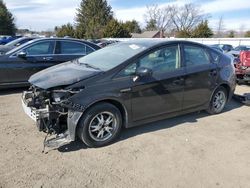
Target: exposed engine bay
48, 109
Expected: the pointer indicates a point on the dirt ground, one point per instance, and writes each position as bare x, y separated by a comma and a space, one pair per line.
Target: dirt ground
195, 150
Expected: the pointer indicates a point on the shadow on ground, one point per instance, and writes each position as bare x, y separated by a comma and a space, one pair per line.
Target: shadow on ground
151, 127
12, 91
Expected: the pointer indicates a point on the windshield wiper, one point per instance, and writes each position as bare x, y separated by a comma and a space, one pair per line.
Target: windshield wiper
90, 66
86, 64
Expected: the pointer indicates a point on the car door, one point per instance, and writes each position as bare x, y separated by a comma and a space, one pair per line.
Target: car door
201, 76
69, 50
162, 92
33, 58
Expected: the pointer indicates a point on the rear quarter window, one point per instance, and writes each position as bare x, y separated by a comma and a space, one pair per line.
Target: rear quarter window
195, 55
215, 56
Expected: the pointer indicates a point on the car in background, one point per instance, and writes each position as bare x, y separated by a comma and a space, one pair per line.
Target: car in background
7, 39
18, 64
242, 67
15, 43
224, 47
125, 85
236, 51
103, 42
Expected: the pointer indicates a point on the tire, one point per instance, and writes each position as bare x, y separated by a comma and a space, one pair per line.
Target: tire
100, 125
218, 101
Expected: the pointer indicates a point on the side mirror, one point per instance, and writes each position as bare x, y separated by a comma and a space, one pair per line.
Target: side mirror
22, 54
143, 72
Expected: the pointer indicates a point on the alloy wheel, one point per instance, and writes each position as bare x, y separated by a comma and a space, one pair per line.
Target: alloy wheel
102, 126
219, 101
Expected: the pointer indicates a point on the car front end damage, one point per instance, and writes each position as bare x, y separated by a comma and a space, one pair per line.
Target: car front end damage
53, 113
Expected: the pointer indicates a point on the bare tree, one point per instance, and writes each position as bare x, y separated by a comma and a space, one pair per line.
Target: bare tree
161, 17
169, 18
220, 27
186, 18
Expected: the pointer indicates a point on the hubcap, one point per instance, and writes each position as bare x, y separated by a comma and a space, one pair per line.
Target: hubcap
102, 126
219, 101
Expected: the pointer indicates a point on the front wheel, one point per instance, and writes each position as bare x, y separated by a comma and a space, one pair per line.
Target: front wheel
218, 101
100, 125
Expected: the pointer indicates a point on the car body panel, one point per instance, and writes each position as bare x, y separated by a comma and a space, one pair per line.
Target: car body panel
62, 74
146, 99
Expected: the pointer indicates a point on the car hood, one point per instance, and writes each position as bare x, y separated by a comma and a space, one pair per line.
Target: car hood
62, 75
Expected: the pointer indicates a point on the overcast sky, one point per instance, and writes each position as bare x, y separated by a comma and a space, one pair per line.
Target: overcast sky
46, 14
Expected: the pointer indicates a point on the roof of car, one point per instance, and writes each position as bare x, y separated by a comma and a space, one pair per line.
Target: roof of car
153, 42
66, 39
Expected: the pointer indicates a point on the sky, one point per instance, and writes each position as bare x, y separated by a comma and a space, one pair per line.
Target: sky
44, 15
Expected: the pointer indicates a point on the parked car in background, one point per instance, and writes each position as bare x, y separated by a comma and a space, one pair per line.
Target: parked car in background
224, 47
125, 85
15, 43
103, 42
236, 51
17, 65
242, 68
7, 39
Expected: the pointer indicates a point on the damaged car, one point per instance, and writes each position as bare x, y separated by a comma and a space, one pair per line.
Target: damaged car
127, 84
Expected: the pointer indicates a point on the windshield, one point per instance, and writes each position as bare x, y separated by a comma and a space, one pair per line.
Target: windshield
19, 47
112, 56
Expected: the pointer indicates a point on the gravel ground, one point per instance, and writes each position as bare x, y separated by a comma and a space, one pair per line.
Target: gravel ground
195, 150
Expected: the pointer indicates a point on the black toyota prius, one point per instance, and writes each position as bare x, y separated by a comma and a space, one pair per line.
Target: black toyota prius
125, 85
17, 65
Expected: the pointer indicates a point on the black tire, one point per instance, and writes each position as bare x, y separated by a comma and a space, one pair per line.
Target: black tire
216, 109
92, 119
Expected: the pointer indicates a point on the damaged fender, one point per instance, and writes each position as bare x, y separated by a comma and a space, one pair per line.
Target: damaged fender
72, 121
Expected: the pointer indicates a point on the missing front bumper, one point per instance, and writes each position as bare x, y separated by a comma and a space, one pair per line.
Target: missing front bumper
48, 119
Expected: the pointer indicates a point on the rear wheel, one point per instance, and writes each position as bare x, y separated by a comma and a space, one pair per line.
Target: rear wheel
218, 101
100, 125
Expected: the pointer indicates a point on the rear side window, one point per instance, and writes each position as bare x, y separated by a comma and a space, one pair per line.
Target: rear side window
194, 55
67, 47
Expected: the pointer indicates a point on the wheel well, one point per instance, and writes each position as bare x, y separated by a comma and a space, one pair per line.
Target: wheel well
227, 89
118, 105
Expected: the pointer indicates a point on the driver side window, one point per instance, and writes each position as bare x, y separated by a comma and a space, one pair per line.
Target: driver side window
163, 60
42, 48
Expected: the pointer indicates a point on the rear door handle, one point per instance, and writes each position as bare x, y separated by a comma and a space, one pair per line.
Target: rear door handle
48, 58
178, 81
213, 72
126, 90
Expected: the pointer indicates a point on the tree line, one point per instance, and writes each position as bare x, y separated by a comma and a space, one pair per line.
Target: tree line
95, 19
7, 25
